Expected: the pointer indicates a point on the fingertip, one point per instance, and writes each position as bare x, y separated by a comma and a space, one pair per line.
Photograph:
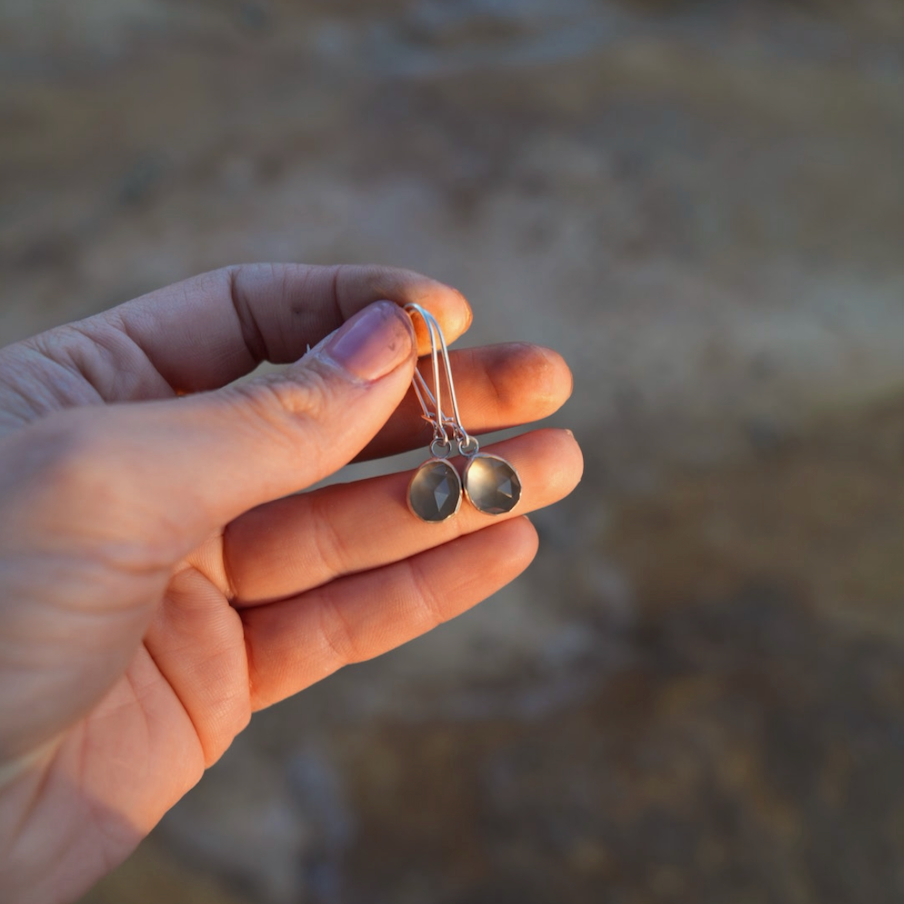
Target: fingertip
558, 366
572, 458
517, 543
532, 538
565, 462
551, 378
550, 461
466, 312
449, 306
530, 542
529, 381
354, 284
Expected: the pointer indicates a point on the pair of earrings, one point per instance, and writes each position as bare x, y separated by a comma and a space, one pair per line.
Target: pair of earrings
490, 483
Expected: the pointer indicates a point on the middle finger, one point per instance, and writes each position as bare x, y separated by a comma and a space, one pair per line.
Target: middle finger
498, 386
289, 546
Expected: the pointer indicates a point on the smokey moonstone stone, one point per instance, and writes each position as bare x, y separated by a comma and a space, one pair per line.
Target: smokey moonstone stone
492, 484
435, 491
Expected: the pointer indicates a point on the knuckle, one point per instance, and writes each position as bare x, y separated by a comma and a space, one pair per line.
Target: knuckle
68, 458
280, 400
329, 543
338, 638
282, 407
427, 601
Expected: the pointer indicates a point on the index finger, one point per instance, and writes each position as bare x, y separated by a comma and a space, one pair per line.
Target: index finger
214, 328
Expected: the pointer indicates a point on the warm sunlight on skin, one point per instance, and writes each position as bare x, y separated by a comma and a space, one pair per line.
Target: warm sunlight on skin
158, 582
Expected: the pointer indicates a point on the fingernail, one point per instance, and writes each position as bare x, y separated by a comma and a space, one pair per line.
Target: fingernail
374, 342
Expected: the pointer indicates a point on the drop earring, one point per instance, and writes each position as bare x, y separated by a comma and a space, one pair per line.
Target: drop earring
435, 491
491, 484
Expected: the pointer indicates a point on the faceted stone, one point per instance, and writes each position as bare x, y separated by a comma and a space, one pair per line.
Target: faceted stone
435, 491
492, 484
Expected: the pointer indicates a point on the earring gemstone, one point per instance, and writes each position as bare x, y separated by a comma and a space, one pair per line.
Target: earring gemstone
434, 493
492, 484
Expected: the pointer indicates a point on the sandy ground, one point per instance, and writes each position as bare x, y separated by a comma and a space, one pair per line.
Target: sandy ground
698, 693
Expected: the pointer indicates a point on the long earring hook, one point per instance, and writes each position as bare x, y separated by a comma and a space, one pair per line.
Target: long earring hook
442, 442
422, 390
467, 444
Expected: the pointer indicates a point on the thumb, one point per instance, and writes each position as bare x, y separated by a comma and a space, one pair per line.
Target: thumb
192, 464
97, 504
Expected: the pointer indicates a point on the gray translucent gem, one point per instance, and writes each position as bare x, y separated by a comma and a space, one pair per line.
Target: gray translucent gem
492, 484
435, 491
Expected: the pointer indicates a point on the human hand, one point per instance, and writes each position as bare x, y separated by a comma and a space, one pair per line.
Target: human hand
153, 594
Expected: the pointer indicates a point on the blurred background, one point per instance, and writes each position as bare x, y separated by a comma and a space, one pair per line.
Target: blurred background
697, 694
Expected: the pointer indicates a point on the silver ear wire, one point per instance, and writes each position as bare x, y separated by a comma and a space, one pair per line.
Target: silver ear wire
467, 444
431, 402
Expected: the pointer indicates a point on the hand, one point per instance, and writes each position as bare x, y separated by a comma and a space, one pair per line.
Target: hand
153, 594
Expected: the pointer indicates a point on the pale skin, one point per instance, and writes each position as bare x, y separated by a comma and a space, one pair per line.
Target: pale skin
159, 582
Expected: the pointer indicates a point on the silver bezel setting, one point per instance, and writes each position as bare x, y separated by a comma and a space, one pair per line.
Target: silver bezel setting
505, 462
428, 463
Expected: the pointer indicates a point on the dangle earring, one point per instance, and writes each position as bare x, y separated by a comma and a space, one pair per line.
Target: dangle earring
434, 493
491, 483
